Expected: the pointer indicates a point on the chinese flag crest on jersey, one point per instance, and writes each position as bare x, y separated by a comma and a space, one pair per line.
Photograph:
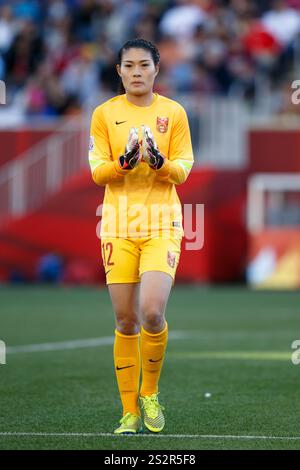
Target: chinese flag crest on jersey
171, 259
162, 124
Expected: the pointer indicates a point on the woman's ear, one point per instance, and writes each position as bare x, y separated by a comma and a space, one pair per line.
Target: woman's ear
156, 69
118, 68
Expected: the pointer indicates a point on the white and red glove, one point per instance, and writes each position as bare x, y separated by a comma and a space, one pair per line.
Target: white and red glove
151, 153
132, 155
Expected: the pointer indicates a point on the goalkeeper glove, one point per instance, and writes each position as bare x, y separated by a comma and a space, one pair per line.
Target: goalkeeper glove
132, 156
151, 153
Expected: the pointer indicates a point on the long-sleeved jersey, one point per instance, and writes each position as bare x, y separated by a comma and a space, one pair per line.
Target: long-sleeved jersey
141, 202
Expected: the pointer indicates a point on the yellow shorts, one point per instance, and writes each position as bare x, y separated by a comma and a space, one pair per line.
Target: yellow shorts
126, 259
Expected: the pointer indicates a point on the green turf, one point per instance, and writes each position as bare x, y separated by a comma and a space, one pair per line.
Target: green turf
237, 347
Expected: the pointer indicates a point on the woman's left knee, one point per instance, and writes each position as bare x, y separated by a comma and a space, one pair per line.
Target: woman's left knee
153, 318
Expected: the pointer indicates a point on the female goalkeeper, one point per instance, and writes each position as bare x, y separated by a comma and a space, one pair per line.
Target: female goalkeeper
141, 228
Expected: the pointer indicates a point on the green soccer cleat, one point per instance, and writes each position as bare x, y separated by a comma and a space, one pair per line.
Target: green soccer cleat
130, 424
154, 419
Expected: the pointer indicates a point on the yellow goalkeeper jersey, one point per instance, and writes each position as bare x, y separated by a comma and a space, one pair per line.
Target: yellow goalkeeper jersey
141, 202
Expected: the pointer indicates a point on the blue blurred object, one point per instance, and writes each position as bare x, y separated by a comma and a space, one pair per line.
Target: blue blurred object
50, 268
27, 9
17, 276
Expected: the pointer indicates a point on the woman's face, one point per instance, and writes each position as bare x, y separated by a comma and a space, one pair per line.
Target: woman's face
137, 71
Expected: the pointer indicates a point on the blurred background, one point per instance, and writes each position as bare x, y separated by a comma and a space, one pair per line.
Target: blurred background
230, 63
234, 66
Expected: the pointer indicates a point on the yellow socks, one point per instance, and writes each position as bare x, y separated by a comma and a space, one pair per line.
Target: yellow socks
128, 366
127, 359
153, 347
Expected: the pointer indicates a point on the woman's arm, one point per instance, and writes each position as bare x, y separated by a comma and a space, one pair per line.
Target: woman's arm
177, 168
103, 168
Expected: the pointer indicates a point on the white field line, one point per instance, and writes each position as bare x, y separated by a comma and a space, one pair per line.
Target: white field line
77, 344
175, 436
173, 335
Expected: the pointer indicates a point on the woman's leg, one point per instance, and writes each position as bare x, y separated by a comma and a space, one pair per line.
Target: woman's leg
154, 293
125, 302
127, 361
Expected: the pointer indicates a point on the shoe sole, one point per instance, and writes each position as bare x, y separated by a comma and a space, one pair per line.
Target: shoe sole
153, 429
139, 431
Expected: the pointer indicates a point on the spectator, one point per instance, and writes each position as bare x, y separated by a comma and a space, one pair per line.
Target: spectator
24, 54
7, 28
181, 21
259, 43
53, 53
81, 75
282, 22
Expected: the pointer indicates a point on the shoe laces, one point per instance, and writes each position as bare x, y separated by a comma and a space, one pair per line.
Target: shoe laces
152, 405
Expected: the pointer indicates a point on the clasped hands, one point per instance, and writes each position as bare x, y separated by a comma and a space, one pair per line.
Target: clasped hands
146, 148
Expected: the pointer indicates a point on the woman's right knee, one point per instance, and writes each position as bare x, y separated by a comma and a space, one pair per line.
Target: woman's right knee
127, 325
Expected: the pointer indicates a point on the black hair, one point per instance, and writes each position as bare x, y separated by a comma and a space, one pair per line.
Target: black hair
138, 43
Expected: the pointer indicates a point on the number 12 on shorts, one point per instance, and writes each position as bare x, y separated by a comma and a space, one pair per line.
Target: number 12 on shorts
107, 250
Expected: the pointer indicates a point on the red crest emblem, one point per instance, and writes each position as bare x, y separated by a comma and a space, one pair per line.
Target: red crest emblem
162, 124
171, 259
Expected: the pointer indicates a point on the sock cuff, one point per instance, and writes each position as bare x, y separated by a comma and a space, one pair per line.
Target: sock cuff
155, 335
118, 333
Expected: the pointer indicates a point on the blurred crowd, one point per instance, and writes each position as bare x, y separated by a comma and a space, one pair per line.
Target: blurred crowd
55, 53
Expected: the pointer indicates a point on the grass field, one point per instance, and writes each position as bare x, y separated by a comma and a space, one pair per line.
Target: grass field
230, 342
